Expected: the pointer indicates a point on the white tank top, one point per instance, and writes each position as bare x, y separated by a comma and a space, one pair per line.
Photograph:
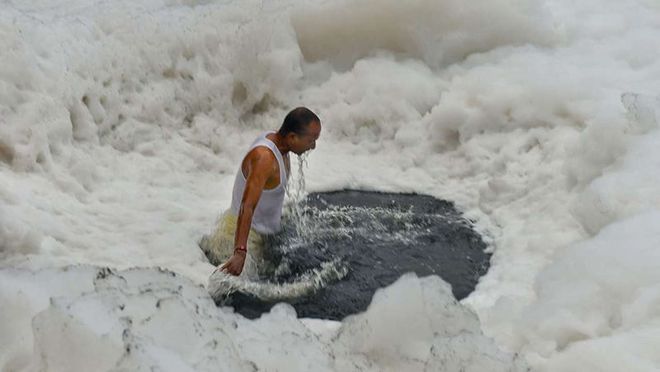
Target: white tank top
268, 213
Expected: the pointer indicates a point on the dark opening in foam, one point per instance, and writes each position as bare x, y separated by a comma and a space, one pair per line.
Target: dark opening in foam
371, 239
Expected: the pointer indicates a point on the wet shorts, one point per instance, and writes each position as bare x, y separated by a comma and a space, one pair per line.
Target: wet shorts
219, 246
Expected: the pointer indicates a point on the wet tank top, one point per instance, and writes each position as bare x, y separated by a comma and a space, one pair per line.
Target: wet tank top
268, 213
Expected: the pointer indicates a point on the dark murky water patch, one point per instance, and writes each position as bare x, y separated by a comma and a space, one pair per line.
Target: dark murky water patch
374, 238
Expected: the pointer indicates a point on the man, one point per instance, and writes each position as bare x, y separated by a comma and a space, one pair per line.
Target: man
258, 194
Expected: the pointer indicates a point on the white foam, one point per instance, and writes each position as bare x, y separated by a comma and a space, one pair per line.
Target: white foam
439, 33
121, 125
599, 296
145, 319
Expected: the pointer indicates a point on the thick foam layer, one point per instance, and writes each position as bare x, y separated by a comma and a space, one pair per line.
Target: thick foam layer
121, 124
437, 32
146, 319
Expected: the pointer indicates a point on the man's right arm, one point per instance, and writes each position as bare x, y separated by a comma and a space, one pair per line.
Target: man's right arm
259, 164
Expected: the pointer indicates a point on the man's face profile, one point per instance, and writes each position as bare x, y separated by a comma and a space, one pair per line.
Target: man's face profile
307, 140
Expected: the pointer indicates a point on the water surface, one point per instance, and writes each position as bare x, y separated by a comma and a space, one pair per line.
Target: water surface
369, 239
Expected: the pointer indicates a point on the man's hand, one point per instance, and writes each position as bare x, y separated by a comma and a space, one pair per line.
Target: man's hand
234, 265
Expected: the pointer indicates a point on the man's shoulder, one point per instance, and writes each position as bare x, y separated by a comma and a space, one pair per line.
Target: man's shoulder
261, 153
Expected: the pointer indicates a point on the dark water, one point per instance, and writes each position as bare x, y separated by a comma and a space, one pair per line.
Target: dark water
377, 237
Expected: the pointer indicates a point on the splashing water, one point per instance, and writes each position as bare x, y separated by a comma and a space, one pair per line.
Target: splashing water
295, 193
222, 285
374, 237
355, 242
332, 253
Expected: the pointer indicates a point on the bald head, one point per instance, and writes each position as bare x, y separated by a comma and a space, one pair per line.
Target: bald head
297, 121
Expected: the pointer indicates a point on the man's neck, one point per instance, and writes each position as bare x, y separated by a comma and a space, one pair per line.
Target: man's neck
279, 142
